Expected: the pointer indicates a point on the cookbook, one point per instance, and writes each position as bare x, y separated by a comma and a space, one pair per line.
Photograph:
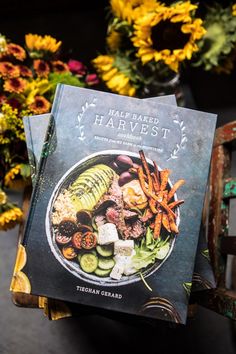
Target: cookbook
115, 217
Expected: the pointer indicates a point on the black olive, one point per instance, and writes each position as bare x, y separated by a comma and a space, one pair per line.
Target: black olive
67, 227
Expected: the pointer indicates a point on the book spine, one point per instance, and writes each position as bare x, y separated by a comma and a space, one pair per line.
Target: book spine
42, 162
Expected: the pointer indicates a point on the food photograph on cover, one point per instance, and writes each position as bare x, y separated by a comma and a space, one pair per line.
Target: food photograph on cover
103, 224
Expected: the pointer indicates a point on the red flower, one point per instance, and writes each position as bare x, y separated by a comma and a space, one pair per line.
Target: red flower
41, 68
92, 79
59, 67
25, 71
76, 67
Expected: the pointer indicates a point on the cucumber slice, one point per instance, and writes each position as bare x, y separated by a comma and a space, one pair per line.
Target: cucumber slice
163, 251
105, 251
88, 262
102, 272
106, 263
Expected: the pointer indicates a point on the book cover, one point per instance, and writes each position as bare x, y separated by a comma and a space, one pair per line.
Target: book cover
115, 229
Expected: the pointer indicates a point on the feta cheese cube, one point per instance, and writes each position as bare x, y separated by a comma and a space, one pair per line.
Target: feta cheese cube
126, 262
117, 271
107, 233
124, 247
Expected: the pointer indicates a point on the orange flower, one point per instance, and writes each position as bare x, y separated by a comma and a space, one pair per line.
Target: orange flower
41, 68
59, 67
40, 105
16, 85
8, 70
17, 51
25, 71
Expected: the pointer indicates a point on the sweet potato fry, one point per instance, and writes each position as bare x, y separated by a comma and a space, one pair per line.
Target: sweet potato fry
179, 183
176, 203
147, 171
164, 179
157, 227
156, 184
173, 225
165, 222
152, 205
157, 174
151, 195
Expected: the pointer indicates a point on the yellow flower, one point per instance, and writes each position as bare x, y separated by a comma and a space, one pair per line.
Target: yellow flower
36, 87
113, 40
234, 10
10, 218
3, 197
13, 178
3, 123
132, 9
168, 34
3, 44
115, 80
35, 42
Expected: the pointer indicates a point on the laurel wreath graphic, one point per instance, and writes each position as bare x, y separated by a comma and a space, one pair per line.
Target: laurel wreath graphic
182, 142
80, 116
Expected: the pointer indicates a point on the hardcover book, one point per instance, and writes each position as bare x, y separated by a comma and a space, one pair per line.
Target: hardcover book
115, 217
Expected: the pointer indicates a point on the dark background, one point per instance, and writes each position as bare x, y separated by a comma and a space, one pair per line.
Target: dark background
81, 26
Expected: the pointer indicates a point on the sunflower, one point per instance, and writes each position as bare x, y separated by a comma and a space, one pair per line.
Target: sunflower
168, 34
234, 10
10, 218
116, 80
217, 47
59, 67
113, 40
132, 9
3, 197
3, 44
25, 71
16, 51
40, 105
16, 85
8, 70
13, 178
41, 68
46, 43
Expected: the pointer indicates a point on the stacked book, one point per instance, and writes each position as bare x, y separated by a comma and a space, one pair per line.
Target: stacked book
116, 209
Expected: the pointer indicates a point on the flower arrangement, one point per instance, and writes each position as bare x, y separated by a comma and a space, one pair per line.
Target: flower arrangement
148, 40
146, 37
218, 46
28, 79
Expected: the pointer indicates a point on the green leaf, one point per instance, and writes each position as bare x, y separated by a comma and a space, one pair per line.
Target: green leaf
25, 170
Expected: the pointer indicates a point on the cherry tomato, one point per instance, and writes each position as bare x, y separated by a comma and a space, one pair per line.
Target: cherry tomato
77, 240
89, 240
